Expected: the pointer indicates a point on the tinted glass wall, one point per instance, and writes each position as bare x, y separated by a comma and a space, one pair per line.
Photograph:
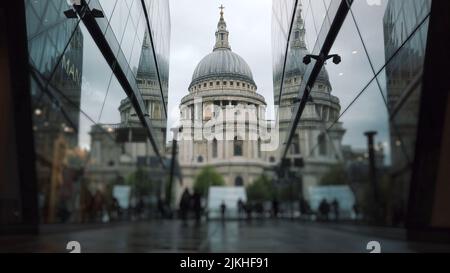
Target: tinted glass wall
375, 89
90, 143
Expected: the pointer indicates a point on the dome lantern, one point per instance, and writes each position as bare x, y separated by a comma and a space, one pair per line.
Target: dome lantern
222, 33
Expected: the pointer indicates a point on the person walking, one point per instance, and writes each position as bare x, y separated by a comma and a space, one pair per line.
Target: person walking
241, 208
335, 207
324, 209
275, 208
197, 206
356, 211
303, 207
184, 206
223, 209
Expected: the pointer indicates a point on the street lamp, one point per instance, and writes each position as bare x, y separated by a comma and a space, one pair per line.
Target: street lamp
336, 58
373, 171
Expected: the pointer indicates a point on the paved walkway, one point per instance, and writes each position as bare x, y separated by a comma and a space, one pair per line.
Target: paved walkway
276, 236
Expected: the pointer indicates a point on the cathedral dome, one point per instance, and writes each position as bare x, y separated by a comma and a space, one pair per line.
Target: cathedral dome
222, 63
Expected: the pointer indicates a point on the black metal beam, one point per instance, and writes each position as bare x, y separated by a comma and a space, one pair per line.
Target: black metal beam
172, 168
149, 29
294, 11
338, 14
16, 44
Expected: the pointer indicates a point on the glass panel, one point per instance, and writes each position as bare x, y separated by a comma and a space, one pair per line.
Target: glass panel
83, 118
49, 32
96, 78
385, 27
353, 97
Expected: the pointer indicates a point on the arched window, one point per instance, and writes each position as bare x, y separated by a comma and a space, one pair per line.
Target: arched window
238, 146
322, 142
214, 148
239, 182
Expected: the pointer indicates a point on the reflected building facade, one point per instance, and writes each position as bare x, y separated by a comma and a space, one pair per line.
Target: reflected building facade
78, 156
404, 83
318, 149
56, 59
119, 150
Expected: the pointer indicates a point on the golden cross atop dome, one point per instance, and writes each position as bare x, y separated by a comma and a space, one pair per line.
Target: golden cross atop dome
221, 9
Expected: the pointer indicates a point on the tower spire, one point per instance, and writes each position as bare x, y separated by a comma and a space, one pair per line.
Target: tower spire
299, 31
221, 11
222, 33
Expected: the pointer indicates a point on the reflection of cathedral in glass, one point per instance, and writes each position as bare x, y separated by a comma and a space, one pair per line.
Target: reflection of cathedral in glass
147, 81
319, 149
125, 145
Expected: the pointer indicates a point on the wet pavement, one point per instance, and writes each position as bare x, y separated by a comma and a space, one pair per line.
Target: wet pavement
261, 236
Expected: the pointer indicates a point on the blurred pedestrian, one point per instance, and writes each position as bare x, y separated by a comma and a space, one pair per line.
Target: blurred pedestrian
140, 206
335, 207
303, 207
197, 206
241, 208
115, 209
160, 205
356, 211
324, 209
184, 205
98, 205
275, 208
223, 209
